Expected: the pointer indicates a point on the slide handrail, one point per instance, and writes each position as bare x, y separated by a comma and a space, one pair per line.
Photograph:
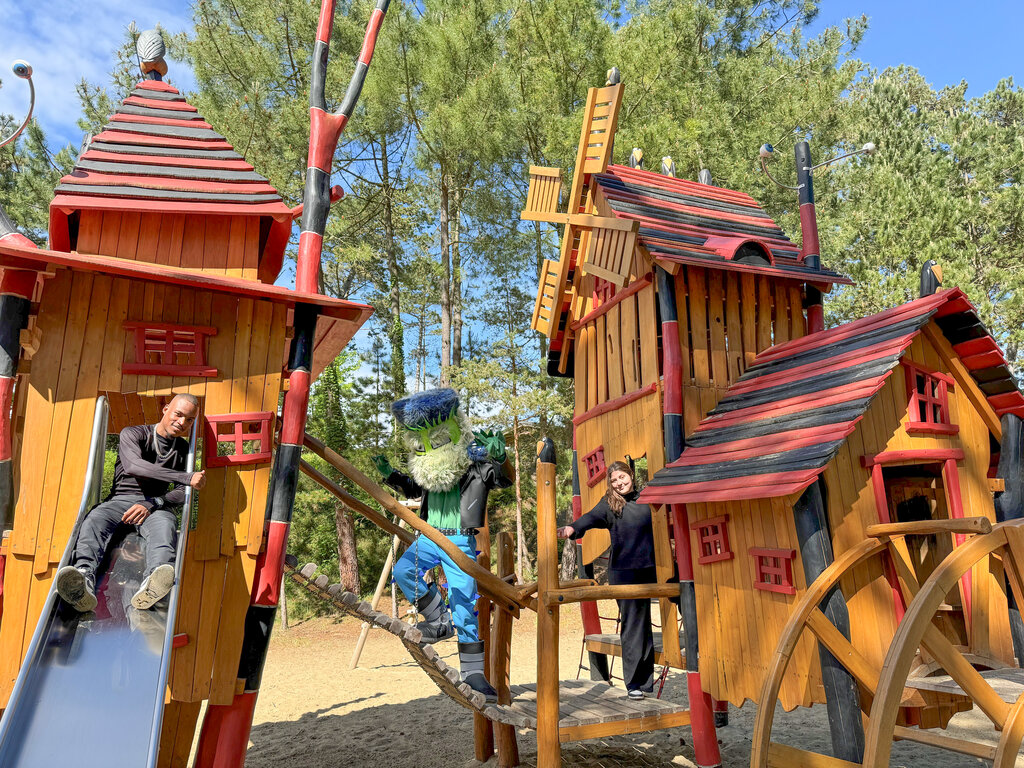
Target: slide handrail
90, 496
172, 606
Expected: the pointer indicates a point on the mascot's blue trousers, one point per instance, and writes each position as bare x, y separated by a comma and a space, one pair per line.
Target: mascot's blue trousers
462, 594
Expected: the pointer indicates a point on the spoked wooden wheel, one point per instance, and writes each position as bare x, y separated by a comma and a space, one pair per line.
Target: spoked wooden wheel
1006, 541
888, 687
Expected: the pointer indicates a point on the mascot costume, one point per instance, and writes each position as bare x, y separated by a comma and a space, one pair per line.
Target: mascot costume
451, 471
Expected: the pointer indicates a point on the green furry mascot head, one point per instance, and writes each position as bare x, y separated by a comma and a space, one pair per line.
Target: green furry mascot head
438, 436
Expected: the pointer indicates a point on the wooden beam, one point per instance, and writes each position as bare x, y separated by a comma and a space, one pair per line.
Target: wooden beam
843, 650
964, 378
928, 527
982, 751
614, 405
610, 592
918, 456
549, 751
625, 293
620, 727
966, 676
783, 756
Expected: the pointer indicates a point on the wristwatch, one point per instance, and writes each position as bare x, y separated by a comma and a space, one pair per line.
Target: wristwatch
158, 502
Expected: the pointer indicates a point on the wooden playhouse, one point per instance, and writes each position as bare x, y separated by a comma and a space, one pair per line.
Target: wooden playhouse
779, 451
164, 248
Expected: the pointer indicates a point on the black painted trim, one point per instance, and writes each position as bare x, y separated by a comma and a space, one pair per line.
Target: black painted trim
169, 171
815, 417
173, 131
259, 623
196, 152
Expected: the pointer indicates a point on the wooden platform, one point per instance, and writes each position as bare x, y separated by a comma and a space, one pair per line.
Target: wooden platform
1007, 682
611, 645
588, 709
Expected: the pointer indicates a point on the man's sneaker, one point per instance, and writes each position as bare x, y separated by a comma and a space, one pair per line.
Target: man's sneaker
636, 694
76, 588
156, 585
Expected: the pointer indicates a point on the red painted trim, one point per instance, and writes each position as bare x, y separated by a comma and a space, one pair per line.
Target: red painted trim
156, 85
835, 396
614, 405
168, 121
6, 395
237, 437
958, 306
681, 534
266, 588
698, 492
976, 346
672, 368
882, 509
809, 231
370, 39
673, 228
169, 162
752, 446
19, 282
922, 456
148, 140
928, 370
784, 571
860, 327
726, 247
77, 201
815, 318
954, 498
24, 258
293, 414
702, 723
1006, 400
147, 369
719, 540
631, 290
596, 470
986, 360
307, 269
145, 325
177, 106
683, 186
889, 348
924, 428
17, 238
168, 182
767, 445
224, 738
180, 640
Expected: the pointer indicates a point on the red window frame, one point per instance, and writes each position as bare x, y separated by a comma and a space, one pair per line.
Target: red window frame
238, 436
593, 462
928, 390
774, 570
712, 540
169, 341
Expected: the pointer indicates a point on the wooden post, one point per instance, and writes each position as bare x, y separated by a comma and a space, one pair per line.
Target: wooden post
501, 654
702, 721
549, 751
382, 583
842, 697
588, 609
483, 732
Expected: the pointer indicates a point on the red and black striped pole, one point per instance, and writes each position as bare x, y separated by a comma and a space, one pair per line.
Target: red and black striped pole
702, 722
16, 288
810, 248
225, 734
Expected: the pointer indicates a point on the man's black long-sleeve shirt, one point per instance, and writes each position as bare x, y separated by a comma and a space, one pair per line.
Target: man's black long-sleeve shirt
148, 463
632, 533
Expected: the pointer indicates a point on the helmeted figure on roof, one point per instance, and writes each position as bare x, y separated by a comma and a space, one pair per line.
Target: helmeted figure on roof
452, 470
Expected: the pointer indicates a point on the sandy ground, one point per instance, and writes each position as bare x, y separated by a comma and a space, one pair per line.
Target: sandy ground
315, 712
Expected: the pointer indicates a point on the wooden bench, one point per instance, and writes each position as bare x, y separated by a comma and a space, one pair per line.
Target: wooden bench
611, 645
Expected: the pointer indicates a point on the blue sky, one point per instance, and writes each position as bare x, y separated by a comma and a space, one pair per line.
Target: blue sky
948, 41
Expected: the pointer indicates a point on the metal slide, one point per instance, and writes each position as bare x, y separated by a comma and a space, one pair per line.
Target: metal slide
91, 689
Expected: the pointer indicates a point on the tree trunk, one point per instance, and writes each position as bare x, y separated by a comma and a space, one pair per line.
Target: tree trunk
446, 277
520, 544
348, 565
395, 330
568, 567
542, 340
456, 222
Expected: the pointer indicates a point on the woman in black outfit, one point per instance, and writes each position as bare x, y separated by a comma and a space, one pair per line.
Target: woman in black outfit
631, 562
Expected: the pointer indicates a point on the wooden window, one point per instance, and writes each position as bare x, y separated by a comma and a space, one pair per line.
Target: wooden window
603, 291
164, 349
596, 470
928, 396
238, 438
712, 540
774, 569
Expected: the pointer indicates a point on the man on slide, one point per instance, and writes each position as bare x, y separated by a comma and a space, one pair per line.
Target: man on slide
149, 458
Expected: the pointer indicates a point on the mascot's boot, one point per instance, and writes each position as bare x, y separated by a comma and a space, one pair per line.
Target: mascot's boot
437, 619
471, 660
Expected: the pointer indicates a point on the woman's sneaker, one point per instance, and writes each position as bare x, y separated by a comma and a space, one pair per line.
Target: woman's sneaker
156, 585
76, 589
636, 694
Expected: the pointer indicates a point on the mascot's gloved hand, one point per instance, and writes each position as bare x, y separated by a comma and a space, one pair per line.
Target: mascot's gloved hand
487, 444
383, 466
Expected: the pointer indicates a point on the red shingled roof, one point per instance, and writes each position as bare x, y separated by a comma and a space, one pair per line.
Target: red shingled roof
685, 222
158, 154
782, 422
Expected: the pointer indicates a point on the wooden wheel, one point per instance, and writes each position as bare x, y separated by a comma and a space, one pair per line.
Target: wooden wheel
887, 686
917, 631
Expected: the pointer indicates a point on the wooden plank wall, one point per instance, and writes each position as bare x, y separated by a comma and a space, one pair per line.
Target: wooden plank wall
82, 346
741, 624
725, 320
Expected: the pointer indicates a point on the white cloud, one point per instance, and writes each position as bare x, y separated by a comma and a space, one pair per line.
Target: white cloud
66, 41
